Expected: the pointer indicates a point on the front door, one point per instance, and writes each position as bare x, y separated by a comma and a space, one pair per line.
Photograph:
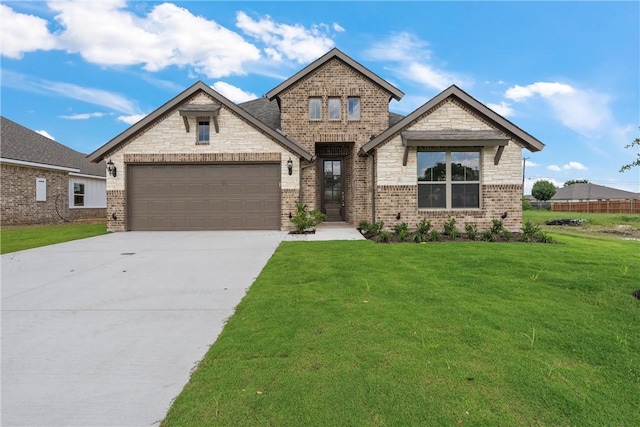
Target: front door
332, 189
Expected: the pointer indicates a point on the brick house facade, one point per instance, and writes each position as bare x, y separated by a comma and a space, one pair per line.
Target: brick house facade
326, 138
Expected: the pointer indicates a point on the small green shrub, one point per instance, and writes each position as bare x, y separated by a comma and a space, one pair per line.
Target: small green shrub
454, 234
424, 226
384, 236
526, 205
434, 235
303, 219
529, 232
364, 225
417, 237
496, 226
371, 228
403, 227
507, 235
472, 230
488, 235
402, 235
450, 226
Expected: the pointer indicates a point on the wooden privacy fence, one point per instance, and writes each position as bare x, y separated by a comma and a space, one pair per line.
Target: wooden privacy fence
629, 206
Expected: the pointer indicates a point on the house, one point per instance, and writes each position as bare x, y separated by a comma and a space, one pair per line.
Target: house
325, 138
588, 197
45, 182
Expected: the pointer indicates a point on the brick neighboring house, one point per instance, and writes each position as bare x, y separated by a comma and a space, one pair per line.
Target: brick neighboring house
44, 182
324, 137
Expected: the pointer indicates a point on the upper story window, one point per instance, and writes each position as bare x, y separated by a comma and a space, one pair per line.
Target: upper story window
353, 108
449, 179
203, 130
334, 109
78, 194
315, 108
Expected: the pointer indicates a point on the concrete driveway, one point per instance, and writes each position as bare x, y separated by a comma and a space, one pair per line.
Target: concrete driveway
105, 331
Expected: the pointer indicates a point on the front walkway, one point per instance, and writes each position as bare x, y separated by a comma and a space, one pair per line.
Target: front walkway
328, 231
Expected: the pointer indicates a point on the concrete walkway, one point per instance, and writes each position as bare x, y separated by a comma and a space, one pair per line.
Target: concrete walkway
329, 231
105, 331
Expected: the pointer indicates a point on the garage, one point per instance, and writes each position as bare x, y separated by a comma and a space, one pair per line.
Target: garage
203, 196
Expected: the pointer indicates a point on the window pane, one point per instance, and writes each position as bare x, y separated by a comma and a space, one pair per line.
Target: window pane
334, 109
431, 166
465, 196
354, 108
432, 196
78, 188
315, 109
203, 131
465, 166
78, 200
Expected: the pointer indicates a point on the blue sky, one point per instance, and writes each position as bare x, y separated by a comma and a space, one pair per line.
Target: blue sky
566, 72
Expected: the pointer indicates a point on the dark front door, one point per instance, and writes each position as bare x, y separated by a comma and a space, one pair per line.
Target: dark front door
333, 189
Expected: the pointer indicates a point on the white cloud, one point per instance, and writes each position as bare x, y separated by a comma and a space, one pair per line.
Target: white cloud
82, 116
554, 168
94, 96
574, 165
134, 118
414, 62
45, 133
16, 40
544, 89
504, 109
293, 42
234, 93
338, 28
105, 33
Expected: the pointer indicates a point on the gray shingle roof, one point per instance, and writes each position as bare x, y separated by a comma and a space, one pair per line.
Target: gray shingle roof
582, 191
19, 143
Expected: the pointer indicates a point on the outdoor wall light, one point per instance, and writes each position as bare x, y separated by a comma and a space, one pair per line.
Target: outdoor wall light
111, 168
290, 166
398, 216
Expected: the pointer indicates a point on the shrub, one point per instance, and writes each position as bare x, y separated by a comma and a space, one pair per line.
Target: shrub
454, 234
371, 228
529, 232
384, 236
496, 226
402, 235
507, 235
487, 235
472, 230
526, 205
303, 219
434, 235
424, 226
417, 237
450, 226
403, 227
364, 225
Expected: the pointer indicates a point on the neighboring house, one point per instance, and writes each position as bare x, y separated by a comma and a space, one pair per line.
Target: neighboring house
587, 197
324, 137
42, 181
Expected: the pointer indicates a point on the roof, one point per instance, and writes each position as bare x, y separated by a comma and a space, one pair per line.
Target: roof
588, 191
396, 93
454, 92
20, 143
174, 103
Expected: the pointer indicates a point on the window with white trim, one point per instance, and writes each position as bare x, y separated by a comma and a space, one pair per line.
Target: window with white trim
315, 108
448, 179
203, 130
78, 194
334, 108
353, 108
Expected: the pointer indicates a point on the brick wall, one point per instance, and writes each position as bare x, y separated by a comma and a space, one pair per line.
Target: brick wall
166, 141
501, 184
336, 79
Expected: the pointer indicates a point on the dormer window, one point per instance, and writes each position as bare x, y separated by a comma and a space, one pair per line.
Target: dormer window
353, 108
203, 130
315, 108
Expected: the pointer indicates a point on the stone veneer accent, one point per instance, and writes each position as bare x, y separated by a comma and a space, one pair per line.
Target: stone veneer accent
18, 193
496, 199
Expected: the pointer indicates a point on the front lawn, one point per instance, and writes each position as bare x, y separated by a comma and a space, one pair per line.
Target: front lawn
18, 239
364, 334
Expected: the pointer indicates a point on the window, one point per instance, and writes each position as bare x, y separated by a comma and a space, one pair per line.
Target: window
78, 194
315, 109
448, 179
353, 108
203, 130
334, 109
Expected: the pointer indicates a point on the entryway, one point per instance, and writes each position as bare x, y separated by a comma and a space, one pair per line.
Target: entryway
332, 191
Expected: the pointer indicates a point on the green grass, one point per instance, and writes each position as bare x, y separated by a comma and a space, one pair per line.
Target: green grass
18, 239
364, 334
594, 219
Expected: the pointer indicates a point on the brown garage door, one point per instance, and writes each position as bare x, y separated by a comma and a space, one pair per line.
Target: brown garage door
204, 197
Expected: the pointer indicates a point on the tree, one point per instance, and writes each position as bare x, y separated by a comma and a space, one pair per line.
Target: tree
576, 181
543, 190
636, 162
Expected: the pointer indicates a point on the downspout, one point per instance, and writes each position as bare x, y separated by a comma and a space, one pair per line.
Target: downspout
373, 187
